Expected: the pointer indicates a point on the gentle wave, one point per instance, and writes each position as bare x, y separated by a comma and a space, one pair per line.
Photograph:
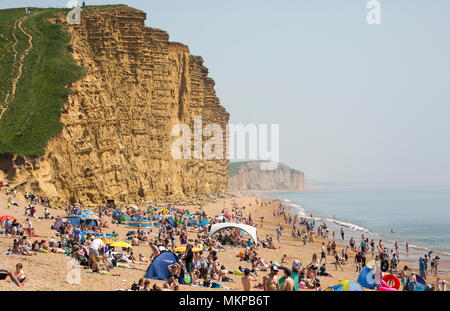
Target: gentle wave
302, 212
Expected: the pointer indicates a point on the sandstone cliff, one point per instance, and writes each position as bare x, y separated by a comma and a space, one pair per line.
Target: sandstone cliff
116, 141
248, 177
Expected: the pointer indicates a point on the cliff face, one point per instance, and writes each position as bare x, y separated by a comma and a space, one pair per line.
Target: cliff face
249, 178
116, 141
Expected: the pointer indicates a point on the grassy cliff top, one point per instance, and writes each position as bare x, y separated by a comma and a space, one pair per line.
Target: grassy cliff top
31, 113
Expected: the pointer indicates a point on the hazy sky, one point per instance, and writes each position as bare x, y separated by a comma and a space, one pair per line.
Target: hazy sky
356, 103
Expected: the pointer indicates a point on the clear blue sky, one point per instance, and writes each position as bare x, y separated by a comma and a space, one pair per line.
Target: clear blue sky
356, 103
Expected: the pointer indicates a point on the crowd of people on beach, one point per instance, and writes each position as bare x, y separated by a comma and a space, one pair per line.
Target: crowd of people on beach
383, 259
198, 261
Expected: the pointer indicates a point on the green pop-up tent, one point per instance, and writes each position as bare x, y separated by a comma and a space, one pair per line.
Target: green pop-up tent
123, 217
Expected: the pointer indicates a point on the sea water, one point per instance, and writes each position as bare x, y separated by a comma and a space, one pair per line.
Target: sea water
417, 216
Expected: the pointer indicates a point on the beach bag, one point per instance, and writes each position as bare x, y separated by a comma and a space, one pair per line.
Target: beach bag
187, 279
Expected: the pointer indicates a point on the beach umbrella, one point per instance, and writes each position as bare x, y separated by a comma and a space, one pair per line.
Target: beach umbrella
9, 217
76, 204
130, 233
164, 210
227, 215
182, 248
120, 244
88, 212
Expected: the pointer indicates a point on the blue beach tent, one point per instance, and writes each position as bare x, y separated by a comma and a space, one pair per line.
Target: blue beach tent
158, 269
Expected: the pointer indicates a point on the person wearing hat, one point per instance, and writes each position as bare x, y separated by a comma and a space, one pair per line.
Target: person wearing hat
247, 278
270, 281
296, 265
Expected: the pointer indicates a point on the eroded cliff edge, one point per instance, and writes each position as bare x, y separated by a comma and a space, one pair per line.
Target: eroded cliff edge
116, 140
248, 177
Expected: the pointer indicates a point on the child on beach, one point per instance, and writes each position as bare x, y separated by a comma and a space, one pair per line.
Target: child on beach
19, 274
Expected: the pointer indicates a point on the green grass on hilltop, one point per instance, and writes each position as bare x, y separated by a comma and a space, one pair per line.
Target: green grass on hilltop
234, 167
33, 117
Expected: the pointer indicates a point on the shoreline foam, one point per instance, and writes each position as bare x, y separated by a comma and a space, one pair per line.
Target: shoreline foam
303, 212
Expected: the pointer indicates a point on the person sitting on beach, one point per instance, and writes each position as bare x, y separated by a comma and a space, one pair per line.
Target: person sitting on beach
135, 241
35, 246
305, 280
19, 274
159, 288
155, 250
146, 286
314, 266
142, 258
131, 257
223, 275
171, 283
139, 286
5, 273
284, 261
22, 249
97, 265
323, 271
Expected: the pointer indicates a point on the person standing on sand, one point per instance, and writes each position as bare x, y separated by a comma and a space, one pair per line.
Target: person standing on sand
337, 262
358, 261
352, 243
288, 285
422, 268
323, 255
404, 277
270, 281
188, 261
246, 280
29, 227
342, 233
96, 248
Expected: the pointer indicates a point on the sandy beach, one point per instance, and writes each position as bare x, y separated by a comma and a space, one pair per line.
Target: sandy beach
50, 271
